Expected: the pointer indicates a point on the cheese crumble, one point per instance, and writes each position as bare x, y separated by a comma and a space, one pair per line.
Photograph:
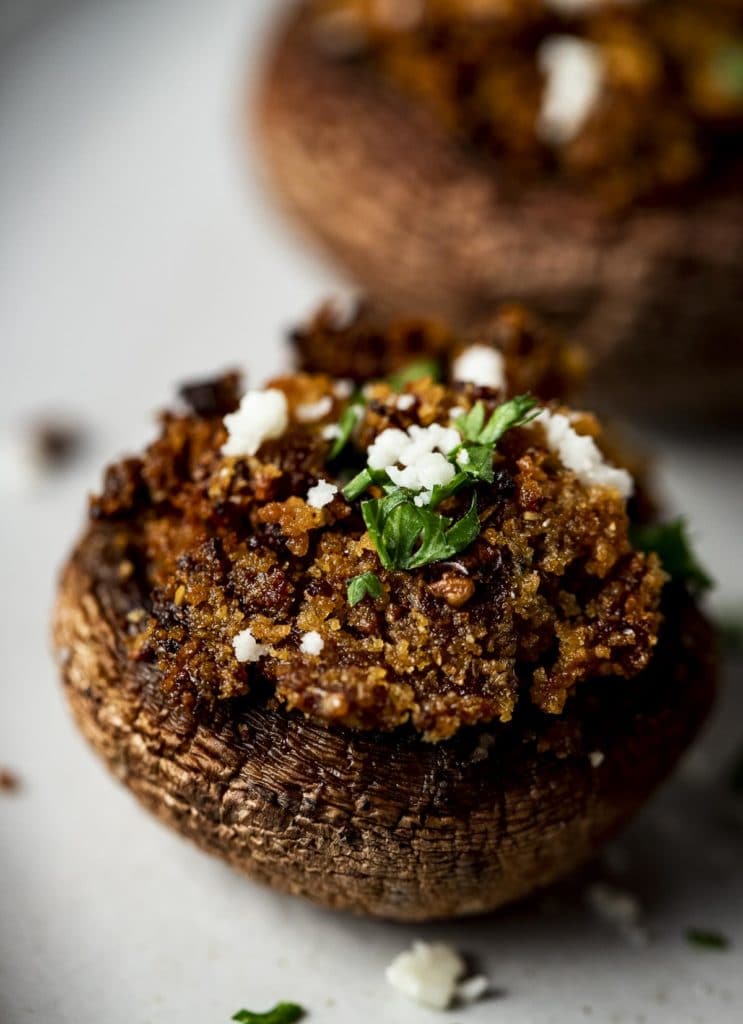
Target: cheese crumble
575, 73
309, 412
430, 974
246, 646
321, 494
481, 365
581, 454
262, 416
312, 643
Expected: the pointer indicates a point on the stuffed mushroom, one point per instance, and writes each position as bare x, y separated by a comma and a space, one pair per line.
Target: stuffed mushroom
585, 157
405, 647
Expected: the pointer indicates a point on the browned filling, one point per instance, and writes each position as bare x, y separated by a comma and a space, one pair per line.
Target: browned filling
667, 114
550, 595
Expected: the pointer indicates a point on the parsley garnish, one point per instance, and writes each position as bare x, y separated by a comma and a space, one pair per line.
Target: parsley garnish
416, 370
282, 1013
349, 418
405, 527
408, 537
671, 543
360, 586
706, 939
514, 413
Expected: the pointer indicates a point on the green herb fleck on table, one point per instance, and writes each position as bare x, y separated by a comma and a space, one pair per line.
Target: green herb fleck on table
366, 584
282, 1013
670, 542
706, 939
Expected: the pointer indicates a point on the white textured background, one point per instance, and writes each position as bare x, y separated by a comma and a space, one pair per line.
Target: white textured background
137, 248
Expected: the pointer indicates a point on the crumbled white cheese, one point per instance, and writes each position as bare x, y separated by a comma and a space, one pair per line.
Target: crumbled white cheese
430, 974
423, 499
428, 471
580, 453
262, 416
405, 402
575, 72
597, 758
427, 973
311, 643
246, 646
463, 457
309, 412
321, 494
472, 989
456, 411
420, 451
330, 431
481, 365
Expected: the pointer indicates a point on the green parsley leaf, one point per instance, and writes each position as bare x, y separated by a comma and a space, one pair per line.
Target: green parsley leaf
282, 1013
706, 939
408, 537
356, 487
479, 464
347, 422
514, 413
367, 583
415, 370
671, 543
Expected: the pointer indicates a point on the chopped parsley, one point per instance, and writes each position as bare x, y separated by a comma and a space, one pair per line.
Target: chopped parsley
403, 523
671, 543
418, 369
349, 418
706, 939
361, 586
282, 1013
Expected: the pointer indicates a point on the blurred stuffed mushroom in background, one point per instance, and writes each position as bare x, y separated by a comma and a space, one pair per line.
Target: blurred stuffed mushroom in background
584, 156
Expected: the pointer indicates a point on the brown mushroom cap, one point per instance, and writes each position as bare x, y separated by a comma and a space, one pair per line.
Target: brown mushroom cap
654, 293
383, 824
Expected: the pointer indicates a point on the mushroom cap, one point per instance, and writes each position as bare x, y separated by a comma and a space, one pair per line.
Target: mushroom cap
381, 824
653, 294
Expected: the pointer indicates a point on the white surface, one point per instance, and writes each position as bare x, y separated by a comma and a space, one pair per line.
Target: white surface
132, 229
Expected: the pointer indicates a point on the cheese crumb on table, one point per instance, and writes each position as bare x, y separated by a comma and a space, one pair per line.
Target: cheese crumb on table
581, 454
262, 416
246, 646
482, 365
430, 973
321, 494
311, 643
